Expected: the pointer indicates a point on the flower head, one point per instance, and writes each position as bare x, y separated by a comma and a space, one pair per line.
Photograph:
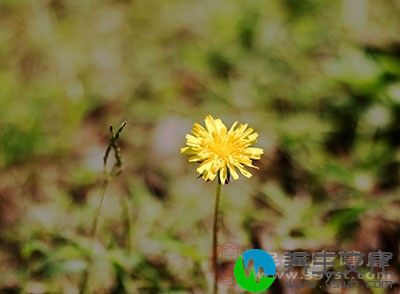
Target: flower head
220, 151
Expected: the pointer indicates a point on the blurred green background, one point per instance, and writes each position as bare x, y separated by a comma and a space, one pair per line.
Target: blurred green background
319, 80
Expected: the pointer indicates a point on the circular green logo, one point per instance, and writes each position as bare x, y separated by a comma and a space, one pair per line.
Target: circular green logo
262, 274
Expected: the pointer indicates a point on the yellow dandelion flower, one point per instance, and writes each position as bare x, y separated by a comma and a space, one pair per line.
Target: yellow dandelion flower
220, 151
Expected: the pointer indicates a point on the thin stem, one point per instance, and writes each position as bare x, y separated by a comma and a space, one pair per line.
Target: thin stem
99, 208
215, 237
126, 211
126, 218
127, 223
93, 233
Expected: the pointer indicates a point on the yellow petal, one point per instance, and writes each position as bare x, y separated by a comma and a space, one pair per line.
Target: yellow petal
220, 127
240, 130
223, 174
233, 127
204, 166
184, 149
196, 158
209, 121
209, 176
253, 137
188, 151
198, 130
244, 171
254, 153
233, 172
247, 132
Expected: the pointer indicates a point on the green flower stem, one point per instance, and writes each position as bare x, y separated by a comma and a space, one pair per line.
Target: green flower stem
215, 237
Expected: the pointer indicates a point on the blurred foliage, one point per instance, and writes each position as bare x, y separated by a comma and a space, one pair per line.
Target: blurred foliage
319, 80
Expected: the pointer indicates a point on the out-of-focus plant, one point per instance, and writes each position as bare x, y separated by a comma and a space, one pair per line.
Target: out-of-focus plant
115, 170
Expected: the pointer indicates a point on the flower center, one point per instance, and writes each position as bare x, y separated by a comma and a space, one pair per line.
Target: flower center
222, 148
